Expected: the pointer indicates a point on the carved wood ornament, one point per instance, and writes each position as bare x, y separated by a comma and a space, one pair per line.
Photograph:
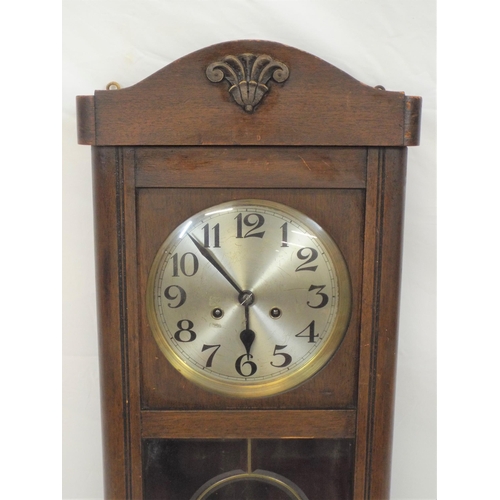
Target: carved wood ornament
248, 75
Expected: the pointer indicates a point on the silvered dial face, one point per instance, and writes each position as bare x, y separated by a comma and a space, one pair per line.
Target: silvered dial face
248, 298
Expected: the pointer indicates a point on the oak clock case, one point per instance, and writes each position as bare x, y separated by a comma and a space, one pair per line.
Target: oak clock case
248, 214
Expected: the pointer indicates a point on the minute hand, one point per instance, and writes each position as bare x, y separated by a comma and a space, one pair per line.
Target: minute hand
208, 255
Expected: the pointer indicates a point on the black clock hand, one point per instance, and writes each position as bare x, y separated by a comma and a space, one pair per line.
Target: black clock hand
247, 336
245, 298
208, 255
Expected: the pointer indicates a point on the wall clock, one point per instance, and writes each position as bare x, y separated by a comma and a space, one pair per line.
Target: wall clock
248, 212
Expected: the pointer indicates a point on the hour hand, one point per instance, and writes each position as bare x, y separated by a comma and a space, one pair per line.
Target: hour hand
247, 337
211, 258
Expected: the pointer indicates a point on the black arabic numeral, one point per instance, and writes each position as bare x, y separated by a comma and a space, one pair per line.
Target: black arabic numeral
188, 264
211, 357
206, 236
284, 235
175, 265
287, 358
324, 296
310, 334
309, 255
187, 328
240, 364
253, 221
181, 295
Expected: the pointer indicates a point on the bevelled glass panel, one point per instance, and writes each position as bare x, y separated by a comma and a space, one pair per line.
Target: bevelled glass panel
323, 468
310, 469
175, 469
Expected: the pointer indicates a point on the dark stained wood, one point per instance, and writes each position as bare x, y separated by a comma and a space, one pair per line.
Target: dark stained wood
339, 212
413, 108
385, 197
251, 167
317, 105
383, 362
130, 312
320, 142
328, 424
114, 408
367, 318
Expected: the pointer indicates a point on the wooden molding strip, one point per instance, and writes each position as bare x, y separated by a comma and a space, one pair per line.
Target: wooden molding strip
247, 167
115, 430
327, 424
413, 108
378, 342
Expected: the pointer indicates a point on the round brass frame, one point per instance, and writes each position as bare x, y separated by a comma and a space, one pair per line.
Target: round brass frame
263, 476
287, 381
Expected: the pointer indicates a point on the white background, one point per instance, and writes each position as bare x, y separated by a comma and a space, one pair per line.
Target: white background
390, 43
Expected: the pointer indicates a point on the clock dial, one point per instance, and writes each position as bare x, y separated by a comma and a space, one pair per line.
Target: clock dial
248, 298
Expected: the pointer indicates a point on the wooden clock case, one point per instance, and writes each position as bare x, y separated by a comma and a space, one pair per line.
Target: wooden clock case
178, 142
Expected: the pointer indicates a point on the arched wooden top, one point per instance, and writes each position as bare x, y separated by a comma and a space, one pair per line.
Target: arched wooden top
314, 104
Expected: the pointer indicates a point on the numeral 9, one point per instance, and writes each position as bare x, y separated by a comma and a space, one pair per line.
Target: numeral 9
181, 295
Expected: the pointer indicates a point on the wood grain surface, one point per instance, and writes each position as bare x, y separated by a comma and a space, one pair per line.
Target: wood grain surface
251, 167
317, 105
276, 424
